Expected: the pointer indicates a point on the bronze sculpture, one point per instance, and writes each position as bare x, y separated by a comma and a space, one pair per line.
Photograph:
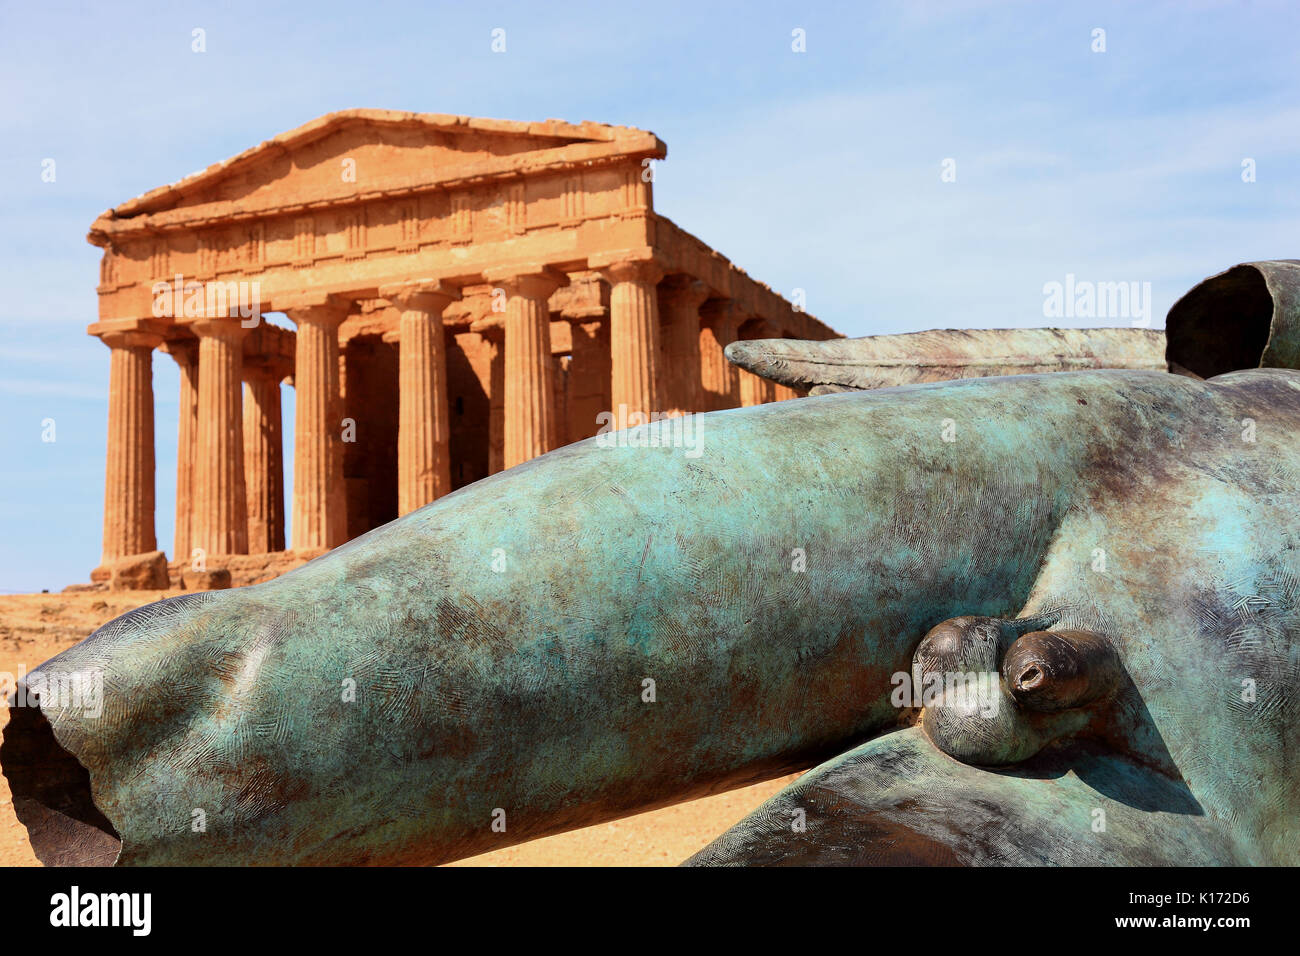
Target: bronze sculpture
1110, 558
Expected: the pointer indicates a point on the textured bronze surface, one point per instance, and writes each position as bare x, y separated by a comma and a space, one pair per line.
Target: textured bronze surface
523, 690
1245, 317
882, 361
1057, 670
1102, 569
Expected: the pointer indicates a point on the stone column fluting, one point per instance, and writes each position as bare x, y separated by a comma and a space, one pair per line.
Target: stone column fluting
494, 336
129, 467
588, 371
680, 298
754, 389
530, 422
263, 459
186, 354
633, 339
718, 323
319, 498
424, 426
220, 520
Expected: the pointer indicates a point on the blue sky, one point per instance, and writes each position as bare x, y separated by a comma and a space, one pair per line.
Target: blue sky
818, 170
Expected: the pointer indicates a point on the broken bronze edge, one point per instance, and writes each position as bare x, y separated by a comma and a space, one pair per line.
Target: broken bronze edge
52, 794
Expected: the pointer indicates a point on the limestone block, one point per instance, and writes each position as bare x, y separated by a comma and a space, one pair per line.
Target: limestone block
217, 579
140, 572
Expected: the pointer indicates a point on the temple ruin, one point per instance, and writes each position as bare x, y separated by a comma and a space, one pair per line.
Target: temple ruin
465, 294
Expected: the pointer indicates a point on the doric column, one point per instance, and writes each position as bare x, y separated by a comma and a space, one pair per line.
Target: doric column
495, 337
319, 498
718, 323
263, 459
186, 354
423, 429
530, 424
681, 297
220, 517
129, 470
491, 330
754, 389
633, 337
589, 370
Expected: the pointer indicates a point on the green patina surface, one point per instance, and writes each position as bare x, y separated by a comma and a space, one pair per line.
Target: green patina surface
499, 639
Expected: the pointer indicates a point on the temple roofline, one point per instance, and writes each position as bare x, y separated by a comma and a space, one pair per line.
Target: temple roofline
624, 140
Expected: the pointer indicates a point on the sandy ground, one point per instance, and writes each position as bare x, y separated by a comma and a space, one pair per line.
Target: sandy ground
35, 627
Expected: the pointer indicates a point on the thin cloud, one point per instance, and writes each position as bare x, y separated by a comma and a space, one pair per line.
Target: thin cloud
39, 388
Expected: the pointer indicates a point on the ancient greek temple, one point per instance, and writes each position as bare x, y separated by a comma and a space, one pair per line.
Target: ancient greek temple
459, 295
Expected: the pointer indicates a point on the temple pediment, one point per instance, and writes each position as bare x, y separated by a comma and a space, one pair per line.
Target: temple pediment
356, 155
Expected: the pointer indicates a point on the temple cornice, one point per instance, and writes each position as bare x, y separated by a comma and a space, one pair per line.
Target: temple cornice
147, 214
